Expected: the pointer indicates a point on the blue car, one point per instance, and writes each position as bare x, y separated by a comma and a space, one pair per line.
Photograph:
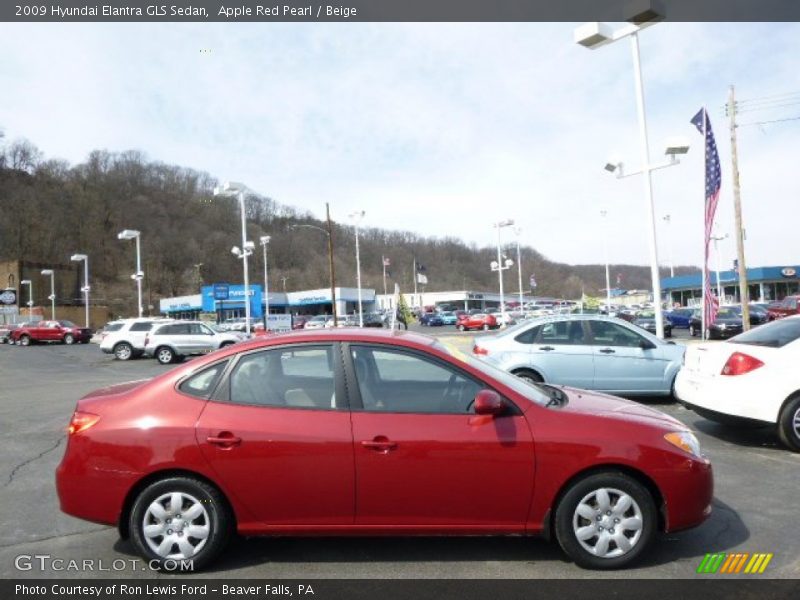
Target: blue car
448, 317
585, 351
679, 317
431, 320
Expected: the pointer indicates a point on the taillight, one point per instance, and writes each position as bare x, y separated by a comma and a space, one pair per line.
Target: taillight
479, 350
81, 421
740, 363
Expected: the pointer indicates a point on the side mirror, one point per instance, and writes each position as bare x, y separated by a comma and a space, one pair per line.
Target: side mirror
646, 345
489, 402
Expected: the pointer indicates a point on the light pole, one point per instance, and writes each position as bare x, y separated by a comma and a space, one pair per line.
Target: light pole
230, 189
29, 283
264, 241
85, 289
501, 264
718, 238
357, 216
132, 234
668, 220
518, 232
594, 35
329, 233
52, 296
604, 213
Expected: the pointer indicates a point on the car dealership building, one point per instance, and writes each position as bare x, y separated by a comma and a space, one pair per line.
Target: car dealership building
765, 284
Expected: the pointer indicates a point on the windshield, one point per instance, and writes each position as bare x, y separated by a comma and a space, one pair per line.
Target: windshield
530, 390
773, 335
727, 313
67, 323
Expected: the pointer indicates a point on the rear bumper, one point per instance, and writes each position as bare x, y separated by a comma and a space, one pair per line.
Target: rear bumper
725, 396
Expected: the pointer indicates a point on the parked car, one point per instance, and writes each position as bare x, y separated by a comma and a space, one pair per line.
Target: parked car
373, 319
476, 321
679, 317
728, 323
431, 320
316, 322
125, 338
646, 319
751, 378
64, 332
790, 305
448, 317
5, 332
503, 320
172, 342
367, 432
592, 352
299, 321
758, 316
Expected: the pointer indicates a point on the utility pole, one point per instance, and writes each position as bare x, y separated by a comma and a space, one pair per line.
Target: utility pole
737, 206
330, 258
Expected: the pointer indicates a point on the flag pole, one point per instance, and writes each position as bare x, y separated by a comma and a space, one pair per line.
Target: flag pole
705, 243
383, 260
414, 274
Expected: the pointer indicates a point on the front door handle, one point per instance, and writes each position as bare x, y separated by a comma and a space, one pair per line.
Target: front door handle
547, 348
379, 444
607, 351
224, 440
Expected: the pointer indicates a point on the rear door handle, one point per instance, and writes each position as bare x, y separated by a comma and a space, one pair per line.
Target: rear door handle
547, 348
607, 351
224, 440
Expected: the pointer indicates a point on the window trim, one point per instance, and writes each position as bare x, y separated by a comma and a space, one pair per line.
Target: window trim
354, 390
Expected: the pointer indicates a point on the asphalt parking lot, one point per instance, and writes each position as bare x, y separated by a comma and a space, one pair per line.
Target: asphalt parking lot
755, 506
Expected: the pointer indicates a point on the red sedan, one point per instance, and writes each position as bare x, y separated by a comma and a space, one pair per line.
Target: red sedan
370, 432
477, 321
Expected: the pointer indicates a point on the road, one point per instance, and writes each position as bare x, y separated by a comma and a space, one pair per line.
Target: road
755, 506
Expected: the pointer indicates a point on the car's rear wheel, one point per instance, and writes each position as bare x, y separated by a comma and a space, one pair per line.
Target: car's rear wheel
462, 328
25, 340
486, 327
605, 521
529, 375
165, 355
179, 519
69, 339
123, 351
789, 424
692, 330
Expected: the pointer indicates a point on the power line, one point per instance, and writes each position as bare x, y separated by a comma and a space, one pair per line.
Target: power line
766, 98
767, 122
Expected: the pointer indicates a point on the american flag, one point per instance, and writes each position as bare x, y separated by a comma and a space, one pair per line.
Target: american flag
713, 184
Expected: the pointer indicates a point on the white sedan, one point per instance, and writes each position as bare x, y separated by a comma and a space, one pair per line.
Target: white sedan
753, 377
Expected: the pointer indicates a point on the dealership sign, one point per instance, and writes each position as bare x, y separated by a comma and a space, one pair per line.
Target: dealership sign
8, 297
221, 291
788, 272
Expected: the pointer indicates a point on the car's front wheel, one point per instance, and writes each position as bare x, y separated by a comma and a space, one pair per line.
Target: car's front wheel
123, 351
25, 340
462, 328
165, 355
605, 521
692, 331
789, 424
69, 339
180, 519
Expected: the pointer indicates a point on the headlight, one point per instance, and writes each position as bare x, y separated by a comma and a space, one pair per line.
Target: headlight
686, 441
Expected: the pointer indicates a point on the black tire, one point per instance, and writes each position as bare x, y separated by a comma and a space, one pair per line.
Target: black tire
486, 327
69, 339
165, 355
25, 340
789, 423
529, 375
462, 328
566, 513
217, 518
692, 330
123, 351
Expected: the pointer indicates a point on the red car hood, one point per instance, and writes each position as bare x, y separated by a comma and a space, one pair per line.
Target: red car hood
603, 405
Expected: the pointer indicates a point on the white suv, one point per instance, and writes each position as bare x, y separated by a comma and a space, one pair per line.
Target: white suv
172, 342
125, 338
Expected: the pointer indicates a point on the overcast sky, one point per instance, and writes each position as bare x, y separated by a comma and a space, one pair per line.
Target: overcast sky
438, 129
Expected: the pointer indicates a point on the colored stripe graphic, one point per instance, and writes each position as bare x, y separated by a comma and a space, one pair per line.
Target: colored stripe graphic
722, 562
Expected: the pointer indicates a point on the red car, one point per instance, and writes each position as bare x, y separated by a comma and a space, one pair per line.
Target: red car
790, 305
477, 321
65, 332
370, 432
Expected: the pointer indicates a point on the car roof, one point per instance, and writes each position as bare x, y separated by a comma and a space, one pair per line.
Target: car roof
339, 335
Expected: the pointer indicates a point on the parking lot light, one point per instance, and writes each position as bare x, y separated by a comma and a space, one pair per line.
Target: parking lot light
132, 234
357, 216
604, 213
235, 189
264, 241
52, 296
85, 289
640, 14
29, 283
500, 265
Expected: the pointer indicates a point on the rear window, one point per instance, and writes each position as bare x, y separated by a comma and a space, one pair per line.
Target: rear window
773, 335
113, 327
144, 326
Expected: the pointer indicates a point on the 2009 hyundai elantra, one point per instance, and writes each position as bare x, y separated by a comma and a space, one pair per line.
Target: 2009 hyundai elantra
367, 432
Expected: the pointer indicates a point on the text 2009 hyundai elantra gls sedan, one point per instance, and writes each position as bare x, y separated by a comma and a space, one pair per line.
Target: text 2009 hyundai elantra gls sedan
367, 432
